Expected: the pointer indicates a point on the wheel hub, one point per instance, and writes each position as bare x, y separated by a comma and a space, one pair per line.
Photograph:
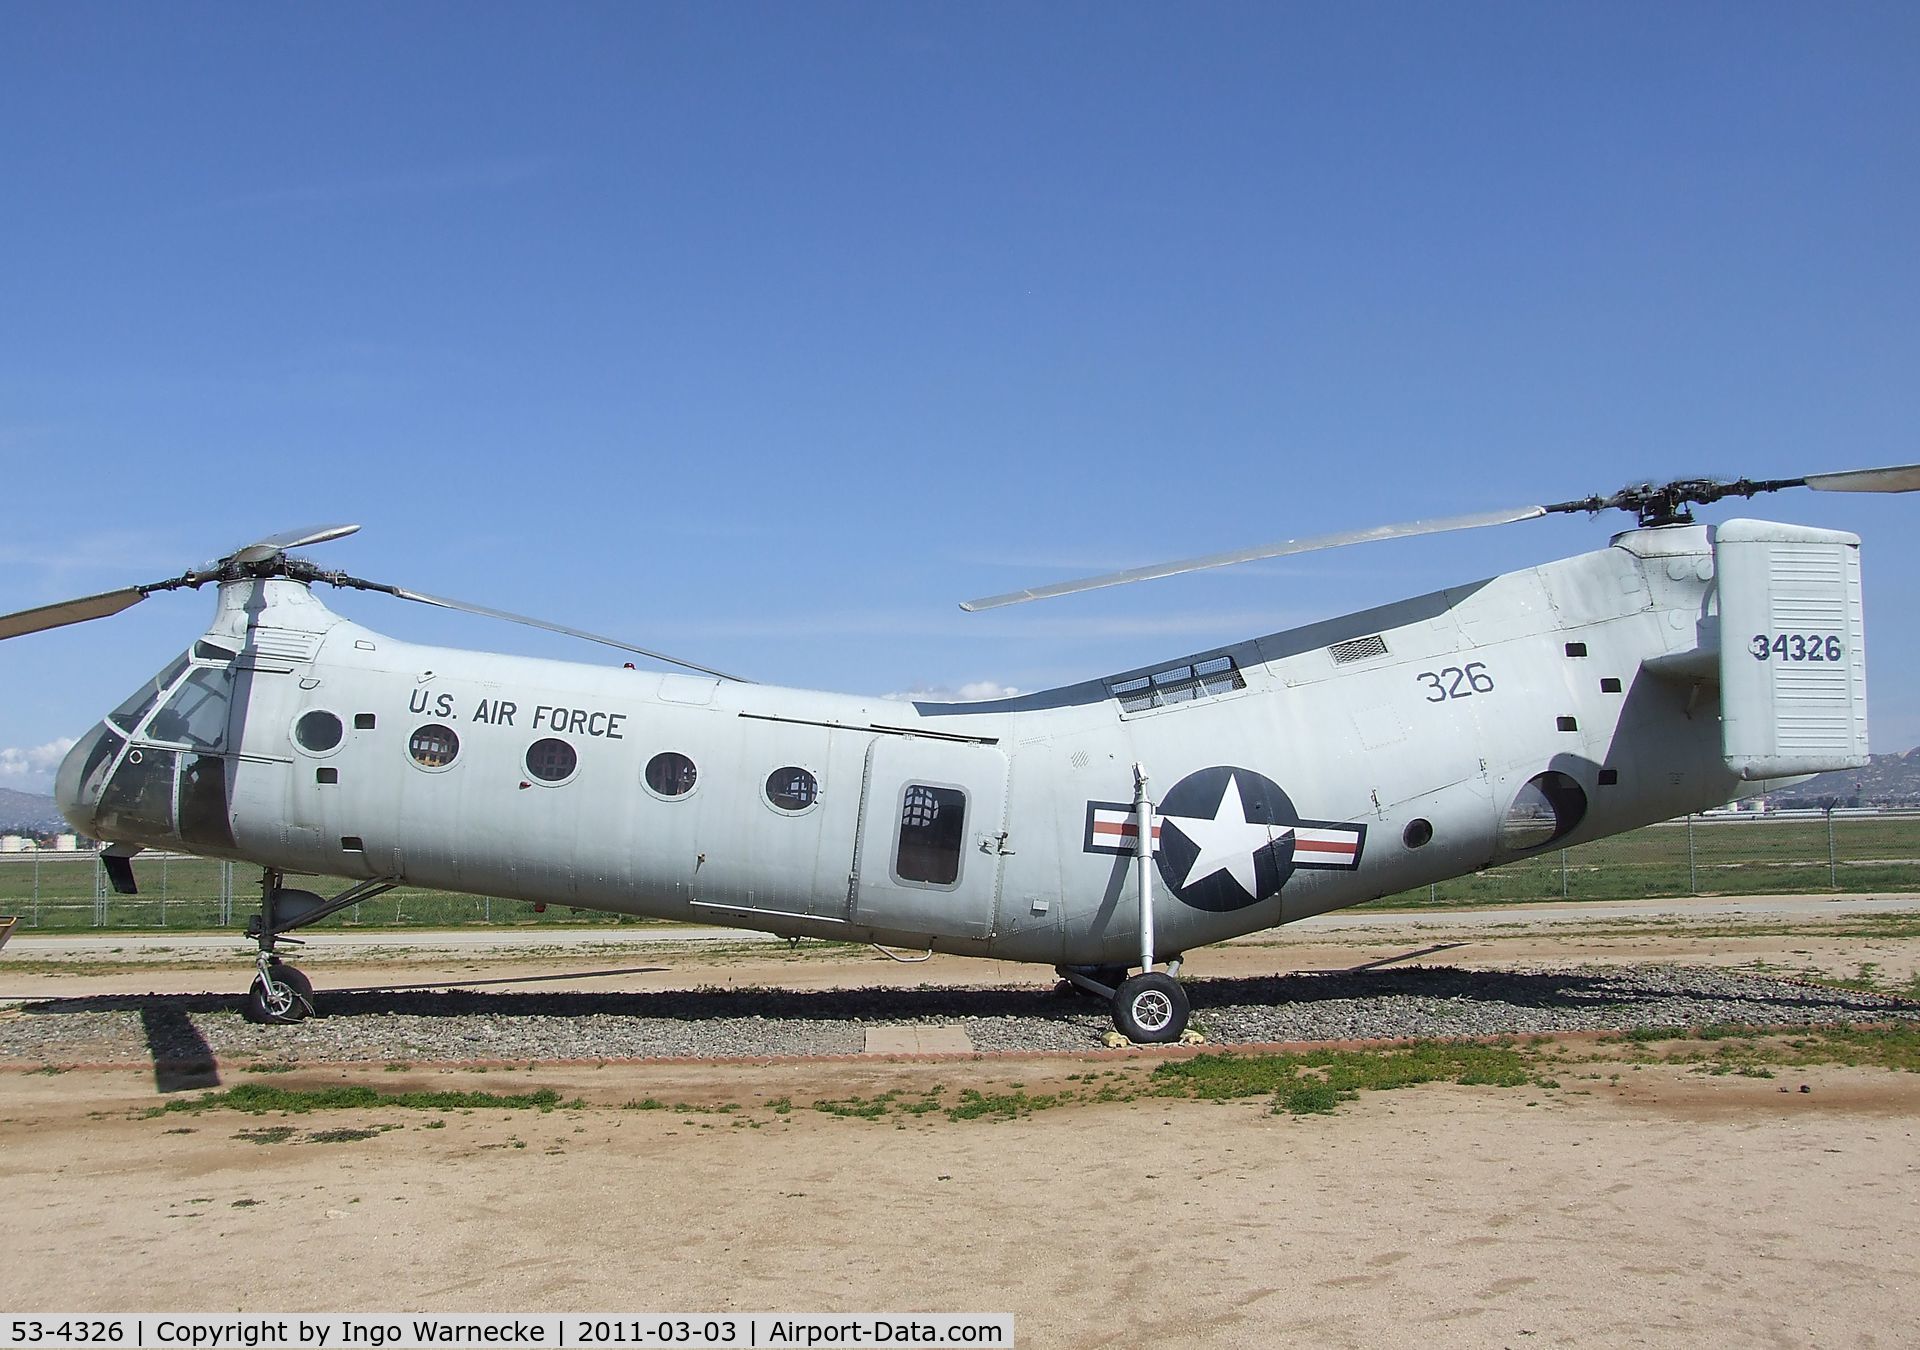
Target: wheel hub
1153, 1010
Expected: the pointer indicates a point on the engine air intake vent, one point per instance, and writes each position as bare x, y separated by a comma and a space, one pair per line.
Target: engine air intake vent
1177, 684
1358, 649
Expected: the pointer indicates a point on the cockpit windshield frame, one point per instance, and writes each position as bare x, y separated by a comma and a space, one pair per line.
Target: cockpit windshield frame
129, 714
195, 712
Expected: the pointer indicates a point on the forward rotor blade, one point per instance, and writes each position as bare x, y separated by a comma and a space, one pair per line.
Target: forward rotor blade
70, 611
1279, 550
443, 603
275, 544
1899, 478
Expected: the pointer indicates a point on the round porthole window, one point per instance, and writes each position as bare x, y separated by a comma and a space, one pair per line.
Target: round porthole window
433, 746
671, 774
552, 760
792, 788
1418, 834
318, 731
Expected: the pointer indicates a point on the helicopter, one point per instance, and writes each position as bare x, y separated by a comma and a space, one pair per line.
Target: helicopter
1105, 828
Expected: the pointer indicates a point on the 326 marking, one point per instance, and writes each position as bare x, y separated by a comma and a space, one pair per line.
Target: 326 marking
1456, 681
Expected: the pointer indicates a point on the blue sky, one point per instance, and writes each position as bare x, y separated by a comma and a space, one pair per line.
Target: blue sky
766, 333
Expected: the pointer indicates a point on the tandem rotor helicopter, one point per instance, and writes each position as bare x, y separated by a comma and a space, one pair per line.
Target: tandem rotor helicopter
1104, 828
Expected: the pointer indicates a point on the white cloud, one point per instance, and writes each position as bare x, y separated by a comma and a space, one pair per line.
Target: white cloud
35, 764
972, 692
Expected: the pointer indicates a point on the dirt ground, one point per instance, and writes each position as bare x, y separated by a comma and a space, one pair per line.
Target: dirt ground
1651, 1207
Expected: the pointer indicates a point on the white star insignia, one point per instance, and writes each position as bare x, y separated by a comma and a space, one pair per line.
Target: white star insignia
1228, 842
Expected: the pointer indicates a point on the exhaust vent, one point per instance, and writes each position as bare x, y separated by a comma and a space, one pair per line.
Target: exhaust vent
1357, 649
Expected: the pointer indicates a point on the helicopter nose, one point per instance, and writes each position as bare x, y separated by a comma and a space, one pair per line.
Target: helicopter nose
71, 787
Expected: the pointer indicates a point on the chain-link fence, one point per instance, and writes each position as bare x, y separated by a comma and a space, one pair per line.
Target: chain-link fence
1706, 855
1702, 855
55, 892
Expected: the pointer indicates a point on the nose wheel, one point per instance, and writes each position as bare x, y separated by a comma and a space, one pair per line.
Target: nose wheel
280, 994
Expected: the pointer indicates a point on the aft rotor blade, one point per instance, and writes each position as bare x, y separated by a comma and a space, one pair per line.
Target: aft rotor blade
482, 610
276, 544
1899, 478
71, 611
1279, 550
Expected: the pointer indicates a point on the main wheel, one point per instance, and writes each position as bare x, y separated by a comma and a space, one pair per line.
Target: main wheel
1151, 1009
283, 999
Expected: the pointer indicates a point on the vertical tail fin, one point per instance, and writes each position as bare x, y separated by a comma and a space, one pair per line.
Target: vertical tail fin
1793, 661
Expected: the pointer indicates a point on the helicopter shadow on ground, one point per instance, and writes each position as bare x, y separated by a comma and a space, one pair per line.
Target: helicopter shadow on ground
167, 1018
182, 1059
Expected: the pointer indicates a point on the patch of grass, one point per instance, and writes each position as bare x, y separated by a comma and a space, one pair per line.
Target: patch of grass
929, 1102
1301, 1082
259, 1098
861, 1108
977, 1105
272, 1134
1754, 1052
1890, 1047
1308, 1099
277, 1066
340, 1135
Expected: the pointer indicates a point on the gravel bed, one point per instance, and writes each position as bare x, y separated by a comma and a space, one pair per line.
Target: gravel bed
471, 1025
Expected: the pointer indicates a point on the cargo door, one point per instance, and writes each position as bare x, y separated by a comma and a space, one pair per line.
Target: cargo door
932, 830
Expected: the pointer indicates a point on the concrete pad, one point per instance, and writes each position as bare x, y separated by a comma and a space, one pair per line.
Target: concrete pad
951, 1039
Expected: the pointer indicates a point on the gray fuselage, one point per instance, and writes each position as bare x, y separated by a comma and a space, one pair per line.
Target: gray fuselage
1378, 751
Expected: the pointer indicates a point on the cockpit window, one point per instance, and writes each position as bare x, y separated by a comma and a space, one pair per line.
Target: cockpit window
196, 715
127, 716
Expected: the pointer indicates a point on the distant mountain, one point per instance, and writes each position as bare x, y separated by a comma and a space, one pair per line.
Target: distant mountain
29, 813
1890, 780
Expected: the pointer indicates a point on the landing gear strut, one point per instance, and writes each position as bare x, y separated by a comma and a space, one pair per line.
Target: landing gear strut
1149, 1008
281, 993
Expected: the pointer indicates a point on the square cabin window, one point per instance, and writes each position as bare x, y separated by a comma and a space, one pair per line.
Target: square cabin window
932, 825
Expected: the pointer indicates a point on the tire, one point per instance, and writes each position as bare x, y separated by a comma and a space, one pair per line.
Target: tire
288, 1000
1151, 1009
296, 979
